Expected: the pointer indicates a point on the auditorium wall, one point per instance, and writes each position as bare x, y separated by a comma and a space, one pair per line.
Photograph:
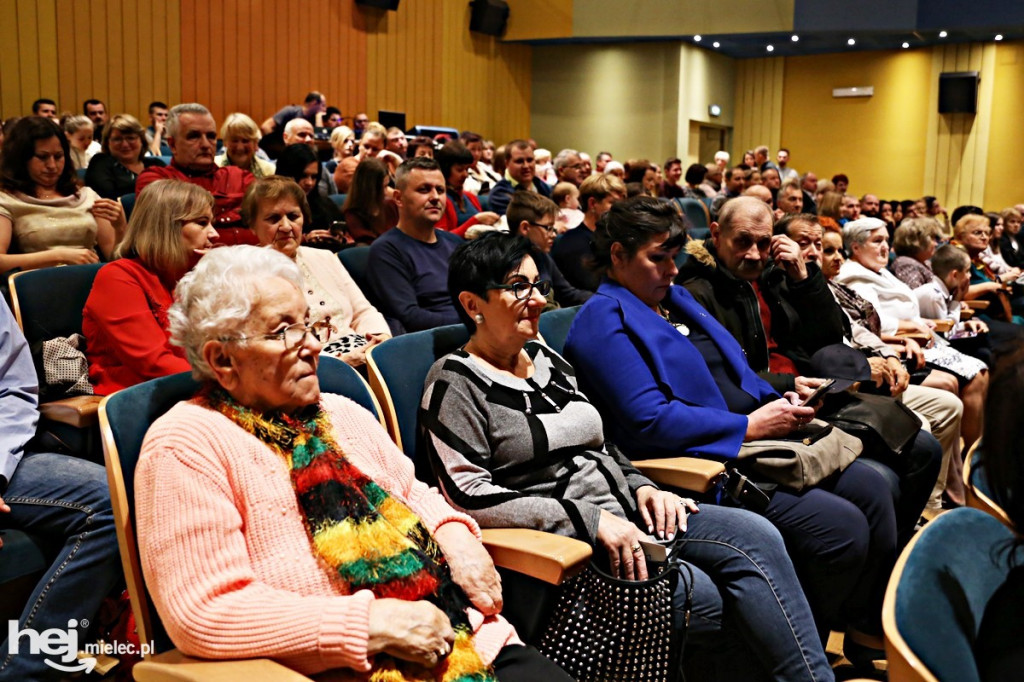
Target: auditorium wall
257, 55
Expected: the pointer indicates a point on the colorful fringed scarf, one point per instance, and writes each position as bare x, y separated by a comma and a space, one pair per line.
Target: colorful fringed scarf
367, 539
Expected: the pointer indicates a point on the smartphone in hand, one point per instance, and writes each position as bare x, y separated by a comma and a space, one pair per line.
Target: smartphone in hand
819, 394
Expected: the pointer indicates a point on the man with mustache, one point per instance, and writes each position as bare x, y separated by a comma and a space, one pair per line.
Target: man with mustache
192, 134
408, 266
757, 284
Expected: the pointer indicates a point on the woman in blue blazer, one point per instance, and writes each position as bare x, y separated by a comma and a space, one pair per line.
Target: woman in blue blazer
669, 380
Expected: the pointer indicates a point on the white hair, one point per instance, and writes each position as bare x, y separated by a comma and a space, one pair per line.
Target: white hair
171, 125
218, 297
291, 126
562, 160
722, 156
857, 231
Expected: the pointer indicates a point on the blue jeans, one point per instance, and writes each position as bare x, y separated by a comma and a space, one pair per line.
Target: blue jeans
66, 500
750, 619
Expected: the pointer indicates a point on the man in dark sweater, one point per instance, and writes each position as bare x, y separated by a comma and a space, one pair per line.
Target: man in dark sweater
572, 251
408, 266
533, 217
520, 173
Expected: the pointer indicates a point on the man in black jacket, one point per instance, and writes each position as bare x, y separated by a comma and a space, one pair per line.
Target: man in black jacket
758, 286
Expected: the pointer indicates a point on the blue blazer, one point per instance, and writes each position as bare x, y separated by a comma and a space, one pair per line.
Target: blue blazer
655, 392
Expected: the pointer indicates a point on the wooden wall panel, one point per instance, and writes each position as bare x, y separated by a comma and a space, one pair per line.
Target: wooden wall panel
256, 56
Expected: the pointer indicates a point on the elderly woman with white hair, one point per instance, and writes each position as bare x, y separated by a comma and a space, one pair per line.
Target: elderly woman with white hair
299, 532
900, 318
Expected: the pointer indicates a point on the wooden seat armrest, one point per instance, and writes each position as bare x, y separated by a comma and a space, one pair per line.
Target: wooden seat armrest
978, 304
544, 556
689, 473
174, 666
966, 314
943, 326
78, 411
920, 338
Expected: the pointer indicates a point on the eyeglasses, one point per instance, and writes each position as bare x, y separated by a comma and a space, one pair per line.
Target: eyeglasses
294, 335
126, 139
551, 229
524, 290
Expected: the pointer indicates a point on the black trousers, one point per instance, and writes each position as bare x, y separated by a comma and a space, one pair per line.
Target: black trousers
526, 664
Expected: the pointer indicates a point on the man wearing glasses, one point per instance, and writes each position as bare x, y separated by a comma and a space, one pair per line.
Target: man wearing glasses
533, 216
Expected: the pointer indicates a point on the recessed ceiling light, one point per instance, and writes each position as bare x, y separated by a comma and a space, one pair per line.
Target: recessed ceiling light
696, 39
716, 44
795, 38
770, 48
851, 41
906, 45
943, 34
999, 36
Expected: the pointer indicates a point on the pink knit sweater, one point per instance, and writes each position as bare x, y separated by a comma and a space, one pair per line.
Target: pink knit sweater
226, 555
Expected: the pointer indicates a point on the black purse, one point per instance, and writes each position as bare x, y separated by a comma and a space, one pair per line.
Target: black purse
884, 425
607, 629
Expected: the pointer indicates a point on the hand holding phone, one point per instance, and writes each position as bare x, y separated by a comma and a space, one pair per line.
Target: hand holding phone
819, 393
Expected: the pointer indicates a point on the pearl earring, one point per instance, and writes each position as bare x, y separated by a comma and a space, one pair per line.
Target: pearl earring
478, 318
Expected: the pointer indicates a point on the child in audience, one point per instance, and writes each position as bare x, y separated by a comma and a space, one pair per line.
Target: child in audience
83, 146
567, 196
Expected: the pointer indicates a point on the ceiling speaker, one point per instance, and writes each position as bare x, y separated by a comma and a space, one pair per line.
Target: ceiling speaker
379, 4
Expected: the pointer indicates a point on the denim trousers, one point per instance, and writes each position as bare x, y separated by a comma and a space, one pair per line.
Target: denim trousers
64, 500
749, 619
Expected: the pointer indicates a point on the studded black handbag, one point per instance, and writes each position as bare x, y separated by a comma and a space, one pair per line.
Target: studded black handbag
607, 629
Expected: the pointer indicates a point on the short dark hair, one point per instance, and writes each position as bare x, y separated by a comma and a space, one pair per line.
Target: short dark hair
840, 177
479, 264
961, 211
783, 225
672, 162
469, 136
157, 104
528, 206
91, 103
947, 258
695, 174
294, 159
423, 163
331, 111
633, 223
41, 101
313, 96
20, 146
417, 142
783, 149
452, 153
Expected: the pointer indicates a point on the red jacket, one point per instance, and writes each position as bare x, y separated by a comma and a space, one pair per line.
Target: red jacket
448, 221
227, 185
125, 326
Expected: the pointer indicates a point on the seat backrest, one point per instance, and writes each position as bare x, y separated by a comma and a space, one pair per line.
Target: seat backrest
125, 416
695, 211
338, 199
128, 204
554, 327
398, 368
979, 492
938, 593
356, 260
48, 302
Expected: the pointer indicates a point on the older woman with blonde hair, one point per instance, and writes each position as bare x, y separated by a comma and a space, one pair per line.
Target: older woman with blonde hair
241, 138
914, 243
112, 173
298, 531
125, 316
275, 209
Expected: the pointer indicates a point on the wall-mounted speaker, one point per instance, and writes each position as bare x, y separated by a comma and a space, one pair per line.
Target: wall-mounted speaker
958, 92
379, 4
488, 16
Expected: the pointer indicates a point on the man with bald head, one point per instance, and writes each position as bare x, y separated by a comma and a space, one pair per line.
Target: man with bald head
758, 286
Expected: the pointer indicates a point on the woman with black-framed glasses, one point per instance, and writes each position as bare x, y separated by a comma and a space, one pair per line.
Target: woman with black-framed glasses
514, 443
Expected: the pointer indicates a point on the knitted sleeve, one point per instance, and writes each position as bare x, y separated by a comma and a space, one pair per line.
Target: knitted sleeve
197, 565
